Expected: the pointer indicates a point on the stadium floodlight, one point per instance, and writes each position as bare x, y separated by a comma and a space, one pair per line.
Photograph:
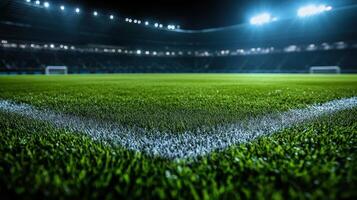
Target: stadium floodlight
146, 23
171, 27
161, 25
37, 2
263, 18
138, 52
156, 25
95, 13
46, 4
311, 10
78, 10
62, 7
139, 21
28, 1
111, 17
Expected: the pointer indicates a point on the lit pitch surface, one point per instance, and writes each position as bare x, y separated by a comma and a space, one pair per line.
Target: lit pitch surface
181, 145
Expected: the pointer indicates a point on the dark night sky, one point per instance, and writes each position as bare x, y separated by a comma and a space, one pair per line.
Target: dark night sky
194, 14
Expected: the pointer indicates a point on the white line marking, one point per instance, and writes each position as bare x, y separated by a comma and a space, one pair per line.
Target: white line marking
181, 145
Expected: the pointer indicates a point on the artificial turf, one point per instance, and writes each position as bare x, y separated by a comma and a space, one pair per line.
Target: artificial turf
316, 160
174, 102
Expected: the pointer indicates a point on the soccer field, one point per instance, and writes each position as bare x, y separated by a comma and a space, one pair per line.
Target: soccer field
188, 136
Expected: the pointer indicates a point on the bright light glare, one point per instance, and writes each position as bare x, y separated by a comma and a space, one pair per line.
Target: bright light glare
46, 4
63, 8
262, 19
28, 1
95, 13
111, 16
78, 10
146, 23
312, 10
171, 27
37, 2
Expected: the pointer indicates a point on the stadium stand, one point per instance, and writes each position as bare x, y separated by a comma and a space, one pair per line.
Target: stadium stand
35, 61
32, 39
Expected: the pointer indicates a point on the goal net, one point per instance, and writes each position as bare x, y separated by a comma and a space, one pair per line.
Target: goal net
325, 70
56, 70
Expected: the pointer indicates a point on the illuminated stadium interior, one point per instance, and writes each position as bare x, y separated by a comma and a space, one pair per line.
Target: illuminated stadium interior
178, 99
262, 44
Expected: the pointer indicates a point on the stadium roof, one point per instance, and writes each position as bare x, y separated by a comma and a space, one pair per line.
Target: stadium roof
79, 24
196, 14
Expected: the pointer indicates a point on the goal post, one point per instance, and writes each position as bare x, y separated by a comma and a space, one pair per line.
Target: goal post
56, 70
325, 70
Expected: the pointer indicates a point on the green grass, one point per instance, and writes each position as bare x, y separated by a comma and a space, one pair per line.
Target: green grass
175, 102
316, 160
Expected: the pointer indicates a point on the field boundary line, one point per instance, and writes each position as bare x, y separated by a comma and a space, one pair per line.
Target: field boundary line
189, 144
